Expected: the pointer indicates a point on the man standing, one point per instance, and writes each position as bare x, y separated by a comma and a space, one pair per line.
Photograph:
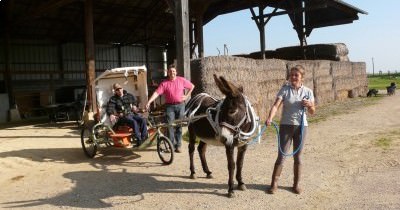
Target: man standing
122, 108
173, 90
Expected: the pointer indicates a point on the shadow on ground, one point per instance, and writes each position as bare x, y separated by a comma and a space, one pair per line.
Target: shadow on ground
103, 192
106, 157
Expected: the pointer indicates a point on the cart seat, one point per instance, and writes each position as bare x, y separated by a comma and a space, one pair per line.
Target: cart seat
121, 139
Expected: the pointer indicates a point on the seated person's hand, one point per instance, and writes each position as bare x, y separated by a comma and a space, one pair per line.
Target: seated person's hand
113, 119
135, 109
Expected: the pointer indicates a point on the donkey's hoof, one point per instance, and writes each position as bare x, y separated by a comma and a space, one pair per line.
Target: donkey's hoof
193, 176
209, 176
242, 187
231, 194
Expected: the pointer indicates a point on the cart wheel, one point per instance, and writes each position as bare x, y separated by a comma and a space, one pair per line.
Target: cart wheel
88, 145
165, 150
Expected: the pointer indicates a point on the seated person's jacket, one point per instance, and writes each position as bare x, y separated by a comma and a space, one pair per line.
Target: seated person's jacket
117, 105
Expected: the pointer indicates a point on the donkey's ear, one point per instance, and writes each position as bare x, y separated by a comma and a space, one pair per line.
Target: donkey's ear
233, 90
221, 85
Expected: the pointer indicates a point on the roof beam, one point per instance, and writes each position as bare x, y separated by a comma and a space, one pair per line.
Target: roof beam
291, 11
44, 8
48, 6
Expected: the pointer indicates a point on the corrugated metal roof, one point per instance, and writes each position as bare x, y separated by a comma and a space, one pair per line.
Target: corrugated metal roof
146, 21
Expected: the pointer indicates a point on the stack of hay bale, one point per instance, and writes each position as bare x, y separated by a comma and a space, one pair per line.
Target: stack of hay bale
262, 79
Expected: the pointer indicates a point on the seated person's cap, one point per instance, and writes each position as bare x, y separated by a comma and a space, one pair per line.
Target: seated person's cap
116, 86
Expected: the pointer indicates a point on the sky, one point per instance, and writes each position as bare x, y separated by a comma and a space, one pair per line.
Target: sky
373, 38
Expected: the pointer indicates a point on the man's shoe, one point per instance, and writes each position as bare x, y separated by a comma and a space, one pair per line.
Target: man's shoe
137, 145
178, 150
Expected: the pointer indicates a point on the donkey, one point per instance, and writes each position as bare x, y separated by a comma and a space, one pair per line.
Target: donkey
229, 122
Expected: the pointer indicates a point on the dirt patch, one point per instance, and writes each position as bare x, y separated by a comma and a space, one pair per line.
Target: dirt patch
43, 167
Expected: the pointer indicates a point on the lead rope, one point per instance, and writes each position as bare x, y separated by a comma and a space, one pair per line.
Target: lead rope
278, 138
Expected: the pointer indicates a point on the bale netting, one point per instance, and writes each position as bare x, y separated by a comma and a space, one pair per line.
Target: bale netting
262, 79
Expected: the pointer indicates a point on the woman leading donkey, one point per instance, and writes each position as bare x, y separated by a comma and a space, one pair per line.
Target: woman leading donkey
294, 97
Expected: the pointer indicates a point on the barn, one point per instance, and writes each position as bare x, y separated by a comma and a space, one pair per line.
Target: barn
51, 50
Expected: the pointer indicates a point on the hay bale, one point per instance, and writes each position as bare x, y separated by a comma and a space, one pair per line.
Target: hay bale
341, 69
359, 68
335, 52
341, 95
323, 97
343, 83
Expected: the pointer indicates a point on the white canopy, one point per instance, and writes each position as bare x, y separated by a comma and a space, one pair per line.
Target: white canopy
132, 79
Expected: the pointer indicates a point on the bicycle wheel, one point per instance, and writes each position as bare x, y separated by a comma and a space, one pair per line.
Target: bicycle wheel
165, 150
88, 145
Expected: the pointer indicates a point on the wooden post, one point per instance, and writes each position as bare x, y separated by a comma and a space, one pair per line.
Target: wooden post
182, 37
7, 50
119, 55
262, 32
147, 61
199, 36
90, 55
261, 22
192, 39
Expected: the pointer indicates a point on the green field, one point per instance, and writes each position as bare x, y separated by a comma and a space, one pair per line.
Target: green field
380, 82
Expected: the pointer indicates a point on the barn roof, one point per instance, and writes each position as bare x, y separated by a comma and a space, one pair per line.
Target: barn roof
145, 21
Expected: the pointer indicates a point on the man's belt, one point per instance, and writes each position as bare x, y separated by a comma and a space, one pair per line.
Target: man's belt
174, 103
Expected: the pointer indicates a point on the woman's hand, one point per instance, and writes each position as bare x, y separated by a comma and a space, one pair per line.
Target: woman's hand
307, 103
268, 122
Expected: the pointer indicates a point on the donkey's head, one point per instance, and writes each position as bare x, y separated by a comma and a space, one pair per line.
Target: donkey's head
232, 116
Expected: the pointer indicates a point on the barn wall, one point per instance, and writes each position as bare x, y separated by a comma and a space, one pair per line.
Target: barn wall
261, 79
40, 68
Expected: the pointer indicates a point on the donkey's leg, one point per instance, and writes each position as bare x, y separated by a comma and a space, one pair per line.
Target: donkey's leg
239, 165
191, 148
231, 169
202, 148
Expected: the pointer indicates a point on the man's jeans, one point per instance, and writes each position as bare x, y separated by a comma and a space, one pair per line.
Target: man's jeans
175, 133
138, 124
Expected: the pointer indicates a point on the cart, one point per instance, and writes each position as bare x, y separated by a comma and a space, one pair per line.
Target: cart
101, 133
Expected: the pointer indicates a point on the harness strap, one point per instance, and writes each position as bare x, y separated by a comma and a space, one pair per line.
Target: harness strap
250, 116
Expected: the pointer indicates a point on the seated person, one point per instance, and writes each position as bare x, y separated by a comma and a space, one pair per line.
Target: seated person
122, 109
